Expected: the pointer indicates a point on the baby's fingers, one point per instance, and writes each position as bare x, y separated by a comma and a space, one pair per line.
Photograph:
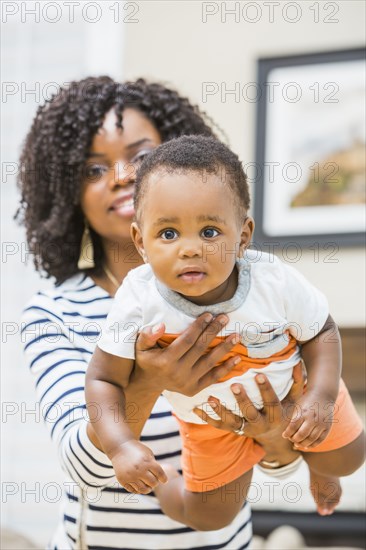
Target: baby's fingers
316, 437
157, 471
304, 432
293, 427
138, 487
148, 480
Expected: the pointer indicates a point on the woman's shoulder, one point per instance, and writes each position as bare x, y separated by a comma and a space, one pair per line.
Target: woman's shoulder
76, 284
79, 289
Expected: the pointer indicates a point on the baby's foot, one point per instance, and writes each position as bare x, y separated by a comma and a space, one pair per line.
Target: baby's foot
326, 491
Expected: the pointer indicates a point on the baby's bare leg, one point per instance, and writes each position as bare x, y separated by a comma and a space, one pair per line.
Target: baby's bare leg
205, 511
341, 462
326, 469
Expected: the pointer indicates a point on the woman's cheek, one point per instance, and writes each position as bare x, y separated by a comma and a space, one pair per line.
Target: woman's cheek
91, 200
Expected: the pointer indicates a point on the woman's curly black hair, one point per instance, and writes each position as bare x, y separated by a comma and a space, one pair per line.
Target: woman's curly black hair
55, 153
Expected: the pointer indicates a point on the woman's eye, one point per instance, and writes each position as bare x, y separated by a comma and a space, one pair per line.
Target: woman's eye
138, 159
94, 171
169, 234
209, 233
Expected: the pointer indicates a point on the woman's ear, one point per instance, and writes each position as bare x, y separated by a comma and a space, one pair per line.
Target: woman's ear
136, 236
246, 235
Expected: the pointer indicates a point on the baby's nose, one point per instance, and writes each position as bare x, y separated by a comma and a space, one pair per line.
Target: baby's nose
191, 249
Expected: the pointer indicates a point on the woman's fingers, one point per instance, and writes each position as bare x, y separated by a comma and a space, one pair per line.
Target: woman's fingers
206, 370
295, 393
193, 342
187, 362
197, 343
148, 337
297, 387
229, 421
207, 418
219, 351
247, 409
271, 404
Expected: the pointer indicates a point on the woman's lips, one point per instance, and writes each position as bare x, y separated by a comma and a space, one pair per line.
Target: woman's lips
124, 207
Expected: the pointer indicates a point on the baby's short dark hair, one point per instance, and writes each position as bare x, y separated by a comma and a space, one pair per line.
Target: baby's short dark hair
201, 154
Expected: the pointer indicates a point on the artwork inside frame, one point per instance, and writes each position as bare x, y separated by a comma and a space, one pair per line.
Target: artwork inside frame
310, 180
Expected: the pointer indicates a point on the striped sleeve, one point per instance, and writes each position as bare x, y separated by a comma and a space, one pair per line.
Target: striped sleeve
61, 328
58, 361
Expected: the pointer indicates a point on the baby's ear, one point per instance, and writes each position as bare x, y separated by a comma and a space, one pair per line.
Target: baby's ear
246, 235
136, 236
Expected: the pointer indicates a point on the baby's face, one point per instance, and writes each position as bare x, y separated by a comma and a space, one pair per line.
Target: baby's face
191, 236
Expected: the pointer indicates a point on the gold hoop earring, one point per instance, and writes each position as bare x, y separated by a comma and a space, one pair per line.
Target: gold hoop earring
86, 258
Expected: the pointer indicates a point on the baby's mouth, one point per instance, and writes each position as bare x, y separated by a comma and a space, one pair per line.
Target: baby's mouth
192, 276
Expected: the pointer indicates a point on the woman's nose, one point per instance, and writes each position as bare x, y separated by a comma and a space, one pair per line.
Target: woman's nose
124, 173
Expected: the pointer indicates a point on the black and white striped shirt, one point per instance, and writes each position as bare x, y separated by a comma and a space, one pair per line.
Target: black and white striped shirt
61, 328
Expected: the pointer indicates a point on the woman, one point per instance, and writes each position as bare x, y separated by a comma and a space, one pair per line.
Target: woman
78, 170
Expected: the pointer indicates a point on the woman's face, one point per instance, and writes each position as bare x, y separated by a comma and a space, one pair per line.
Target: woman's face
109, 175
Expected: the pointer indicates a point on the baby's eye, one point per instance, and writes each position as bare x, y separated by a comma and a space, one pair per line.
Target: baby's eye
95, 171
169, 234
209, 233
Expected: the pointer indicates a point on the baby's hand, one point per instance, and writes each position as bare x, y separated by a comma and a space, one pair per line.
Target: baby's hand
136, 468
311, 420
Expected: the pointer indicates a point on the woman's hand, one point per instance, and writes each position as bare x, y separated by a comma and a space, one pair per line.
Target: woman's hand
266, 425
184, 365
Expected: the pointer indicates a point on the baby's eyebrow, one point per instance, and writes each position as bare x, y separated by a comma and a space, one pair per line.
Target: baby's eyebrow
200, 219
162, 221
210, 218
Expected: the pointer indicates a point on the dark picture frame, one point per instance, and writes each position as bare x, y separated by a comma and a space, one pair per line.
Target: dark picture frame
309, 160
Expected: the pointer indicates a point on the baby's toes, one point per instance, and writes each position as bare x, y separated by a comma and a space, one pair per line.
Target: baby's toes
326, 491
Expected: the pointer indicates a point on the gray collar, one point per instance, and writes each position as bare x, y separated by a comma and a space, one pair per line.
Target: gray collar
193, 310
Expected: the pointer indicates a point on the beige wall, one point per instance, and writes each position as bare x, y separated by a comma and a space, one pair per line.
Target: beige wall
172, 43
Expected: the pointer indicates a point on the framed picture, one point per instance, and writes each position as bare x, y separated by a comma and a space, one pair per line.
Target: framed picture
309, 178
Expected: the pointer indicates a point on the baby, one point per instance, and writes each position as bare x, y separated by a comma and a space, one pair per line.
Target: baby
193, 231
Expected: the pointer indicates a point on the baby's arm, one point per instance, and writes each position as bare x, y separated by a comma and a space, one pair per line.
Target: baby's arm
312, 418
134, 463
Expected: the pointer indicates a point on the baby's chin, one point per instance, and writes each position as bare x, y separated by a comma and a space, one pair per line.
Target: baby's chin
199, 298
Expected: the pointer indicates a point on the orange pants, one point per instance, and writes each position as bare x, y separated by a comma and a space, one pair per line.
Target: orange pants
212, 457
